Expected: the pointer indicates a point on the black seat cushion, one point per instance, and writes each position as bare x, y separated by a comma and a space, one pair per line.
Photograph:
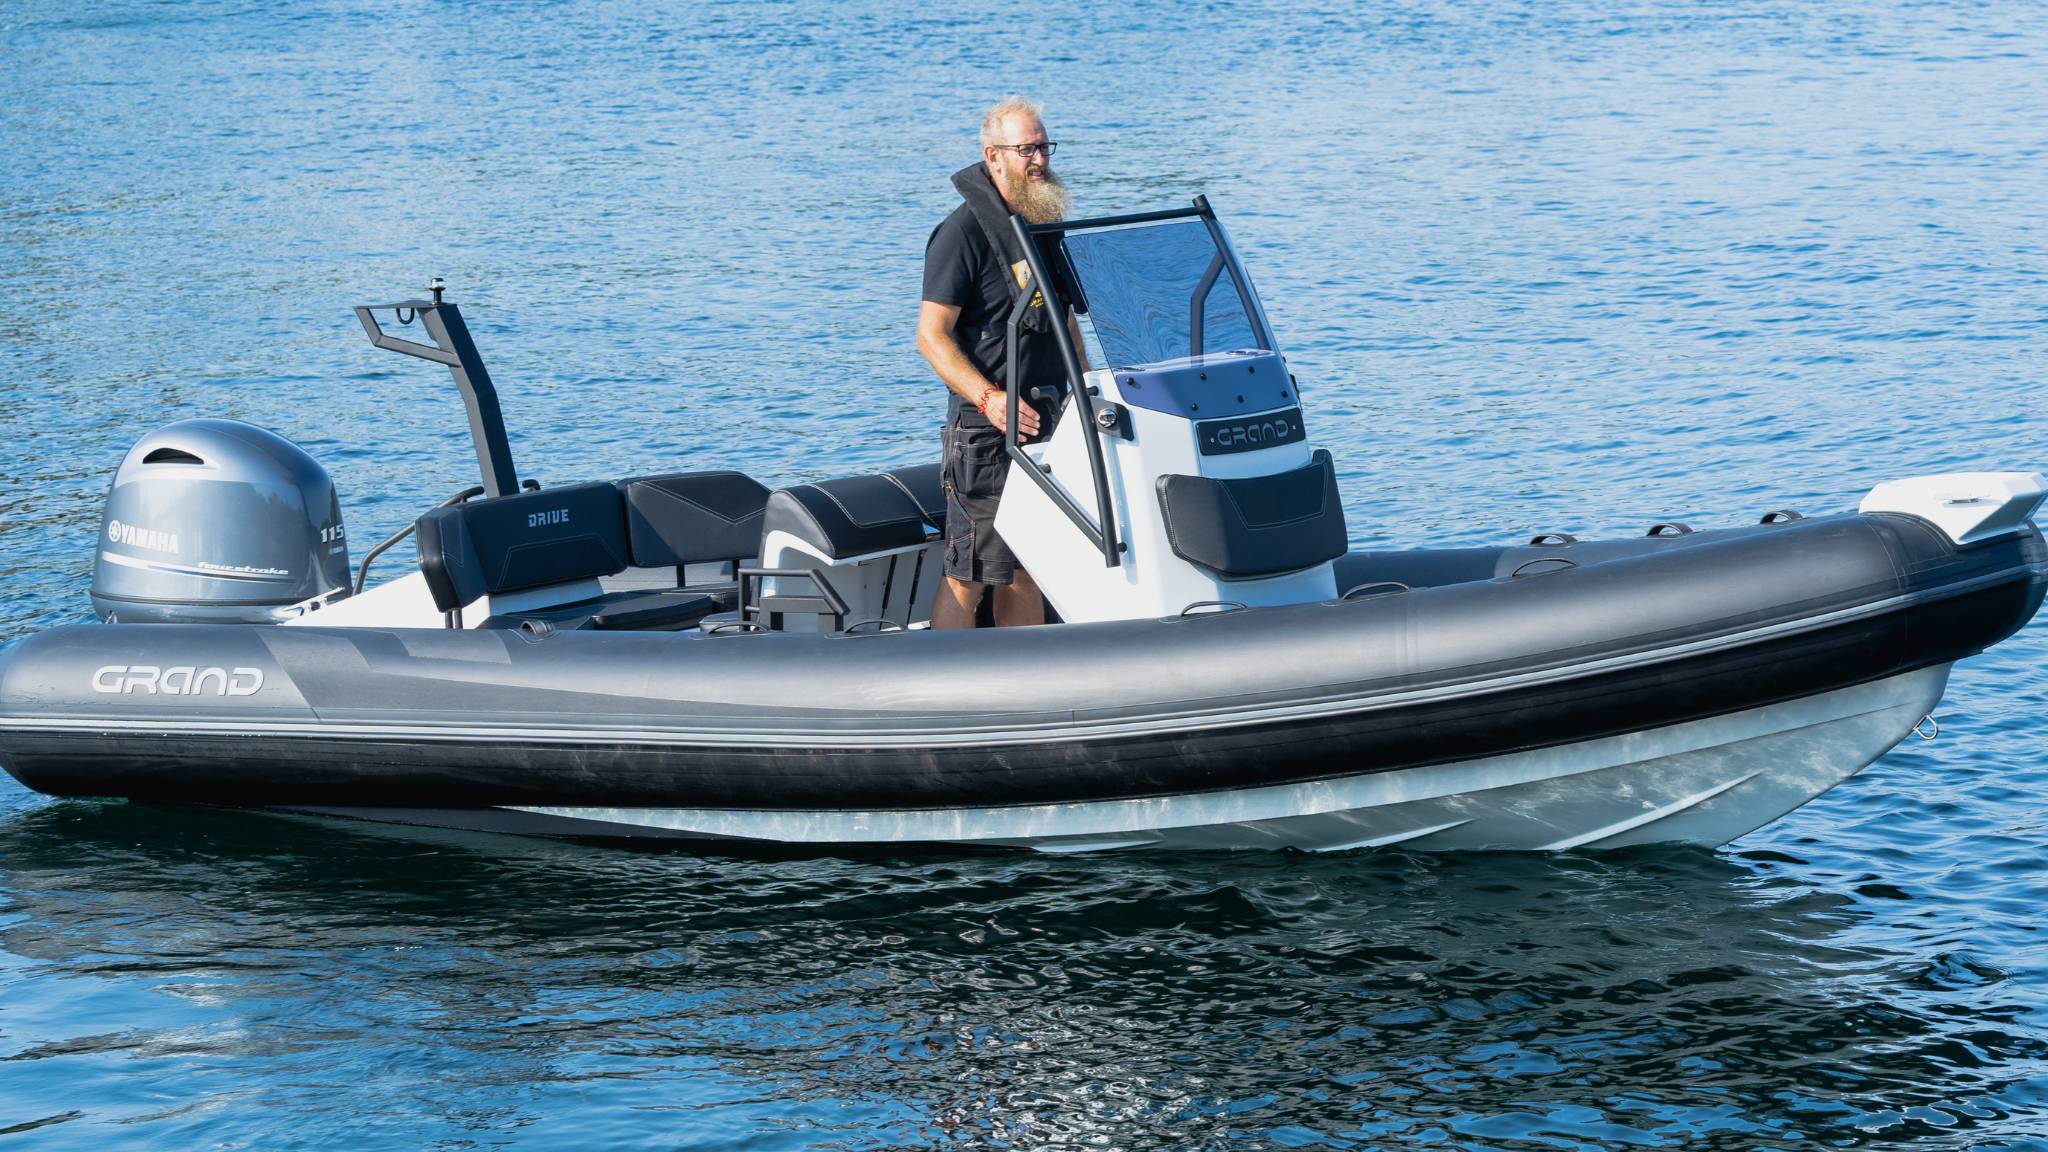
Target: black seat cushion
631, 610
676, 609
921, 481
849, 517
1259, 525
693, 517
487, 547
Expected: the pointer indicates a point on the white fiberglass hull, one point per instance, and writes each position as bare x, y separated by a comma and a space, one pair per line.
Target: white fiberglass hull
1703, 782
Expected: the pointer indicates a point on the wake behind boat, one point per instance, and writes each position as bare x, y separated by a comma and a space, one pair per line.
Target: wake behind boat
691, 655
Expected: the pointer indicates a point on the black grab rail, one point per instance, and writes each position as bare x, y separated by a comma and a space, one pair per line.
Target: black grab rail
1101, 531
462, 497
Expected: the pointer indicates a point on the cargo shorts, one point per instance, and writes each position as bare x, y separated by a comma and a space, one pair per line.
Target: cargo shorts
973, 470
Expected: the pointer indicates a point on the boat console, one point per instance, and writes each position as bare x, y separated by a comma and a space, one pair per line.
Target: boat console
1185, 435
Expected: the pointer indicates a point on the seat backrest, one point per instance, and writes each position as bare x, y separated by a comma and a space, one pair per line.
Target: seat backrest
489, 547
851, 516
692, 517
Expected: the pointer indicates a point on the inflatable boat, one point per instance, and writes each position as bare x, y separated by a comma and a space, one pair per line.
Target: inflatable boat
693, 656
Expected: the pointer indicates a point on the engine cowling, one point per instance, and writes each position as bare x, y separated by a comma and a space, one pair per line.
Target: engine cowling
217, 521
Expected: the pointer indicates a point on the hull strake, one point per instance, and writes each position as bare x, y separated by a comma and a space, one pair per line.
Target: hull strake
1704, 782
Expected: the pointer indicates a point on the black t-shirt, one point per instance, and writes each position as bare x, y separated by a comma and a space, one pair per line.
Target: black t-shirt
960, 270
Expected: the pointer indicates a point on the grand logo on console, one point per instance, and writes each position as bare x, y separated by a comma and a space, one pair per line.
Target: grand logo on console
1249, 433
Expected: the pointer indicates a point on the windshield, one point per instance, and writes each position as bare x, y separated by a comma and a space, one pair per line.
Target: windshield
1142, 285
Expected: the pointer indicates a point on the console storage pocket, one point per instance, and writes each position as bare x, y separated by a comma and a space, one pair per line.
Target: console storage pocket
1256, 526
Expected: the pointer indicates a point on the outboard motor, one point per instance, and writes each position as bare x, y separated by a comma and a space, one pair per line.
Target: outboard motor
218, 522
1180, 475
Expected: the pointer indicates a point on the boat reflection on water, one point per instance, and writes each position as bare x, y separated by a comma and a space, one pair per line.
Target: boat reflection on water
476, 982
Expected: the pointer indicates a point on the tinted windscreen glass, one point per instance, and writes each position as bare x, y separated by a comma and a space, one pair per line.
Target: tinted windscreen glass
1140, 284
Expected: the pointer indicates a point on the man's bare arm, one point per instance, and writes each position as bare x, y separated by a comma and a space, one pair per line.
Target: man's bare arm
935, 341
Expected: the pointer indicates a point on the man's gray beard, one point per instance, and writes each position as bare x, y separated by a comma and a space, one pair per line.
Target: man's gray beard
1037, 201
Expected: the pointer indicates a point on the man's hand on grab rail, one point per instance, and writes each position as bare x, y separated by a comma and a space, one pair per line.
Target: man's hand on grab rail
995, 407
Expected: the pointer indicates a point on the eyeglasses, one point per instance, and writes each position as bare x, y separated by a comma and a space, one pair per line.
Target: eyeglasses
1027, 151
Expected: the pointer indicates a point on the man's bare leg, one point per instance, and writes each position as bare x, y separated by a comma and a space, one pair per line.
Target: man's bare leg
954, 603
1019, 602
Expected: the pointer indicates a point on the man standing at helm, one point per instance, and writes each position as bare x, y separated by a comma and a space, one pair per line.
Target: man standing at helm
972, 267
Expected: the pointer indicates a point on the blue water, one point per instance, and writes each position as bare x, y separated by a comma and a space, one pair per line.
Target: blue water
1573, 265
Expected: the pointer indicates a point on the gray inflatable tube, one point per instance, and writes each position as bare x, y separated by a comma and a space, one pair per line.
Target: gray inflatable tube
1441, 658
